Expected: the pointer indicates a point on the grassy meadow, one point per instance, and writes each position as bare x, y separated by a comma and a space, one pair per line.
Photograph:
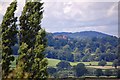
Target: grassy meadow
54, 62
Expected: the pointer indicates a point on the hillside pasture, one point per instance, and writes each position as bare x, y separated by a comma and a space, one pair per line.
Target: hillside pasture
54, 62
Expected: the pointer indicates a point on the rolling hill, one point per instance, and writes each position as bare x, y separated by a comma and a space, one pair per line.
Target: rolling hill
87, 45
64, 45
83, 34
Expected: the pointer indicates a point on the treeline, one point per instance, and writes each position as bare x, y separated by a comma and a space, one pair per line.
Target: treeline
74, 49
64, 70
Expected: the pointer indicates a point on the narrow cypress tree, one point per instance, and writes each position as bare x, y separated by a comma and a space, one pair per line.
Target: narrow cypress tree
9, 33
39, 67
31, 62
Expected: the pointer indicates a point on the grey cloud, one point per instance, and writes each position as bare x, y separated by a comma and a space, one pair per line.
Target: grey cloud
79, 15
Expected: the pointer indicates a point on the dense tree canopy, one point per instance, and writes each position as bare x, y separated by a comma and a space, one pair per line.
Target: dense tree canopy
63, 65
51, 70
80, 69
115, 63
102, 63
99, 72
81, 49
108, 72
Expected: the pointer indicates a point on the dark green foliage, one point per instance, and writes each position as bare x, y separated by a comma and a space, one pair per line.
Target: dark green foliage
118, 73
108, 72
80, 69
98, 51
62, 74
63, 65
30, 22
89, 49
9, 33
99, 72
51, 70
31, 61
39, 66
102, 63
115, 63
76, 54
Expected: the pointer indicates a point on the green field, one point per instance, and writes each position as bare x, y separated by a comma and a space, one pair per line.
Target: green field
94, 65
54, 62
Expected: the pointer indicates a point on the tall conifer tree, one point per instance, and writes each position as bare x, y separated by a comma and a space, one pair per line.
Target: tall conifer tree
31, 61
9, 32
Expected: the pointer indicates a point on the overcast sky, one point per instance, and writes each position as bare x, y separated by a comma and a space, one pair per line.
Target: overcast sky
75, 16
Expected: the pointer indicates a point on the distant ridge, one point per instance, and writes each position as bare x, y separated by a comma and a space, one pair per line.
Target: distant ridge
83, 34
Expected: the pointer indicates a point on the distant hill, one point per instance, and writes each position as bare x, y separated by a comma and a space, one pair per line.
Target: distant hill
86, 46
81, 35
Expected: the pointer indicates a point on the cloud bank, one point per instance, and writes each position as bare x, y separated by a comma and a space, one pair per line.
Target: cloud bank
75, 16
80, 16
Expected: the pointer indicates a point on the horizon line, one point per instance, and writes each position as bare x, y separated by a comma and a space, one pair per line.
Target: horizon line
83, 31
